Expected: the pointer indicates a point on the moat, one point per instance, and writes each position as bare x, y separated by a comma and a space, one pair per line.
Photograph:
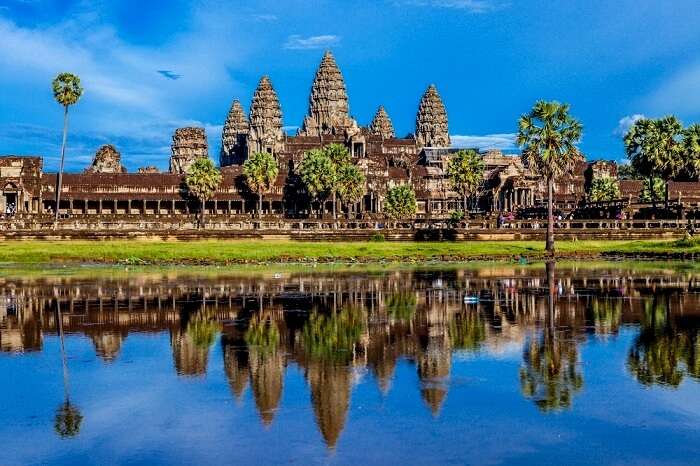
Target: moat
576, 363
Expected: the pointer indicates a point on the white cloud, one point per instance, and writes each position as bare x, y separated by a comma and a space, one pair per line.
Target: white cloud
626, 123
265, 17
680, 93
297, 42
503, 141
472, 6
126, 101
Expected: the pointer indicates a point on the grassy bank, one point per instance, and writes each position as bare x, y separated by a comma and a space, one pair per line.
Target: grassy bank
259, 251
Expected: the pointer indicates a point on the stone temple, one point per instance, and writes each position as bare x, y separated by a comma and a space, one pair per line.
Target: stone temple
106, 191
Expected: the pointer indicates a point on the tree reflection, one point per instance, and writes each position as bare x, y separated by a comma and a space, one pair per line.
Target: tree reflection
266, 364
329, 342
665, 350
467, 330
191, 346
401, 305
68, 418
550, 375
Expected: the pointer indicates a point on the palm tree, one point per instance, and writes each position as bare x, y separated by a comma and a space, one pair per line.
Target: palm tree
655, 150
340, 157
260, 172
691, 149
67, 92
202, 180
548, 136
317, 172
466, 171
350, 184
400, 202
604, 188
653, 190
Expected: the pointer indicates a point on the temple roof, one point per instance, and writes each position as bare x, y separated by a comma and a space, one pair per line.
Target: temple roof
431, 120
265, 111
381, 124
328, 101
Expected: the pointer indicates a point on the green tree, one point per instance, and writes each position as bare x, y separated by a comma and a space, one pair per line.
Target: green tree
604, 188
317, 173
67, 92
653, 190
202, 180
260, 172
691, 149
340, 158
548, 136
350, 184
466, 172
400, 202
655, 150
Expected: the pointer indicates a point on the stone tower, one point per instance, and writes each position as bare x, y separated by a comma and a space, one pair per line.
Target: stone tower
189, 144
328, 103
381, 124
107, 160
234, 136
431, 121
265, 134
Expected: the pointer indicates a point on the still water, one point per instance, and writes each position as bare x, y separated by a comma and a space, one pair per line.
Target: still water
479, 364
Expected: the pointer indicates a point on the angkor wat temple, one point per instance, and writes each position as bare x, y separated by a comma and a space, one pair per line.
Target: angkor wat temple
106, 191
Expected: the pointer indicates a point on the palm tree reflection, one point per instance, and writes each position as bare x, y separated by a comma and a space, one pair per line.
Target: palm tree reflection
666, 349
68, 418
550, 374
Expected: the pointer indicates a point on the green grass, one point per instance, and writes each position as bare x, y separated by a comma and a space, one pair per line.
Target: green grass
263, 251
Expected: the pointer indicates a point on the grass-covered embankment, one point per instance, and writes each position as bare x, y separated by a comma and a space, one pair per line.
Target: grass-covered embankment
260, 251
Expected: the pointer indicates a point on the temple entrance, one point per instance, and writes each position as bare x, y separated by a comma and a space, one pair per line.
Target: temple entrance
10, 203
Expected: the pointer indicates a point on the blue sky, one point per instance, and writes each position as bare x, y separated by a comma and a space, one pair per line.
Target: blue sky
490, 59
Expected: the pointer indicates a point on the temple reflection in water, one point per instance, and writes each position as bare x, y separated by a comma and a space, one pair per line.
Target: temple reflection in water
336, 326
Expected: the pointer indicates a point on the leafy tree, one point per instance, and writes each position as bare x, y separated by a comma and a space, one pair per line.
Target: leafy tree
340, 158
604, 188
691, 149
548, 136
67, 92
653, 190
627, 172
400, 202
654, 148
350, 184
202, 180
260, 172
466, 172
317, 172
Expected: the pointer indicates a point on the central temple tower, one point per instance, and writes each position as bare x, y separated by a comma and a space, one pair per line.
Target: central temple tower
328, 103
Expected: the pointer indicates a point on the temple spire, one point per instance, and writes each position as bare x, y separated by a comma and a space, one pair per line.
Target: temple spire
381, 124
233, 137
265, 119
431, 121
328, 102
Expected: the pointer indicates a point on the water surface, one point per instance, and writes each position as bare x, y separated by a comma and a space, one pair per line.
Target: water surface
479, 364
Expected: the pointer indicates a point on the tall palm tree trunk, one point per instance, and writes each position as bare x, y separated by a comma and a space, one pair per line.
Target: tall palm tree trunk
201, 213
334, 208
464, 200
260, 204
59, 177
550, 217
